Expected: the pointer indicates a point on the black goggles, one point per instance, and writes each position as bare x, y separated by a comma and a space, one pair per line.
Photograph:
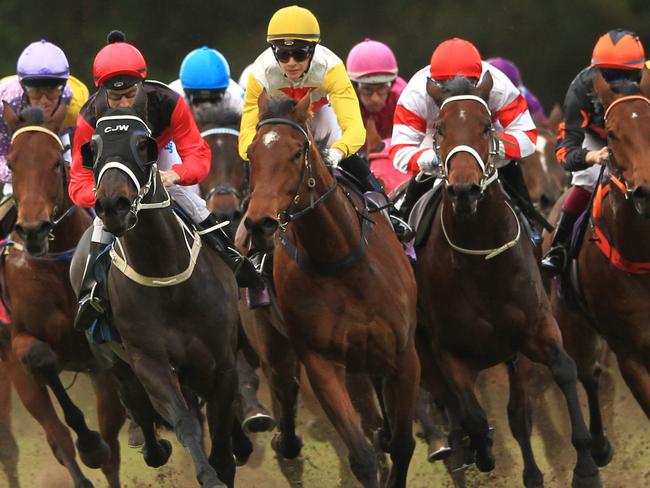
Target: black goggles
613, 75
197, 97
299, 54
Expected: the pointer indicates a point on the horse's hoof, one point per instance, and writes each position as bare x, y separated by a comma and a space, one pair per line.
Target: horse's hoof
242, 451
136, 437
534, 479
602, 451
485, 461
381, 440
439, 454
288, 449
159, 455
209, 479
84, 483
259, 422
93, 451
592, 481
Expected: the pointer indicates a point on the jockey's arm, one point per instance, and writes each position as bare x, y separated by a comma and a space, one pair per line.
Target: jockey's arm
519, 133
345, 103
569, 151
82, 181
250, 115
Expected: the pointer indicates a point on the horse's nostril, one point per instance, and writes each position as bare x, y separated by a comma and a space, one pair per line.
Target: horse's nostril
248, 223
237, 215
269, 225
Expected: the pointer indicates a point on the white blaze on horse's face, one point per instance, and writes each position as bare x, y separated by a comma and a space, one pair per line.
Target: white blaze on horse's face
634, 115
270, 138
462, 115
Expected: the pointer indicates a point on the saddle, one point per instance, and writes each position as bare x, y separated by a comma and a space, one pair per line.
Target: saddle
423, 212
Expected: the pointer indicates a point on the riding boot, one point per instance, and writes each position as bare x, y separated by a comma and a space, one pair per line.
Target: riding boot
244, 270
93, 301
516, 187
358, 168
556, 258
8, 216
414, 191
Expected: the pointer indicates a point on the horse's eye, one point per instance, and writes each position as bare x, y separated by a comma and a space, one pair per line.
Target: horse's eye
611, 135
297, 155
10, 165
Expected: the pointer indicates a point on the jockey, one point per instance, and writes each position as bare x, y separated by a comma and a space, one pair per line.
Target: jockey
535, 107
205, 77
43, 80
296, 64
120, 71
416, 115
372, 67
582, 143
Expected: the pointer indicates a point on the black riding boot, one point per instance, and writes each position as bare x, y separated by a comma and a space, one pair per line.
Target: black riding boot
93, 301
556, 258
244, 270
515, 186
358, 168
8, 216
414, 192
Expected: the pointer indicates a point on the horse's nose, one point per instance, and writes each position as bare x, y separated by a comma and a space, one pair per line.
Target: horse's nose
641, 192
266, 225
117, 205
468, 191
33, 230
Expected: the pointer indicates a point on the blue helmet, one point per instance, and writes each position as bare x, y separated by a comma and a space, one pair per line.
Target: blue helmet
204, 69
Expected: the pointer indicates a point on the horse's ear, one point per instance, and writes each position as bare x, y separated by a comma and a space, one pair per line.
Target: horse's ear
55, 121
150, 150
302, 108
373, 139
262, 103
645, 82
436, 91
140, 102
602, 89
9, 116
87, 155
484, 88
555, 118
101, 102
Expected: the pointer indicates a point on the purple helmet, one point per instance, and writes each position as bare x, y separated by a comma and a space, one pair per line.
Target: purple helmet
508, 68
42, 59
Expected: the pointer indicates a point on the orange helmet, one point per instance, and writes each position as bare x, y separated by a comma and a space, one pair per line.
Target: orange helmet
455, 57
618, 49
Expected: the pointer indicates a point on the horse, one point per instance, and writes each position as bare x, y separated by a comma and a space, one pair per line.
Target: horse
481, 299
174, 304
344, 287
8, 446
612, 265
43, 305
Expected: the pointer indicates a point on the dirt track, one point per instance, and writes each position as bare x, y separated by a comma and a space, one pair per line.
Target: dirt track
323, 463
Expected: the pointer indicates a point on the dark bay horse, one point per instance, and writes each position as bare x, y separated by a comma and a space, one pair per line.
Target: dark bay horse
8, 446
346, 292
43, 304
480, 295
614, 262
174, 303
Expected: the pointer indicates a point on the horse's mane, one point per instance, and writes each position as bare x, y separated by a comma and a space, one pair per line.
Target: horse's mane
211, 115
626, 87
458, 86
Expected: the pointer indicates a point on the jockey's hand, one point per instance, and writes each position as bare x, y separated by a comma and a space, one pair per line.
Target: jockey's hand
428, 161
169, 177
332, 157
601, 156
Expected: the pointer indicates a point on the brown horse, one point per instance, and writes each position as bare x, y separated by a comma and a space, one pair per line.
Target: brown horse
8, 446
480, 293
174, 303
43, 340
613, 269
345, 290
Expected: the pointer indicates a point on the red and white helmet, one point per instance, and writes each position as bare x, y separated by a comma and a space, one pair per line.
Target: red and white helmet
119, 61
371, 62
455, 57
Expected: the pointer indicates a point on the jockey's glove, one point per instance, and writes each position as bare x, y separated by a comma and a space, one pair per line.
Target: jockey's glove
428, 161
332, 157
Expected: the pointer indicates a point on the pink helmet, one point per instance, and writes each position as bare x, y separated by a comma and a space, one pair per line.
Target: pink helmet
371, 62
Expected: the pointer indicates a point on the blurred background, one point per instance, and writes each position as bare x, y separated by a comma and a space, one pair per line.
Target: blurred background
550, 41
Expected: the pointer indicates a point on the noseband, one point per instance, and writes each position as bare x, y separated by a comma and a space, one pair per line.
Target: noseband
617, 177
488, 169
305, 174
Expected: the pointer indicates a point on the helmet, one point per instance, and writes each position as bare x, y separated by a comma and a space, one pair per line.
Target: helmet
618, 49
204, 69
455, 57
41, 60
290, 24
508, 68
119, 58
371, 62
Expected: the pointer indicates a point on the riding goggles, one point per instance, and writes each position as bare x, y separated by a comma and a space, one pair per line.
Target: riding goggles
299, 54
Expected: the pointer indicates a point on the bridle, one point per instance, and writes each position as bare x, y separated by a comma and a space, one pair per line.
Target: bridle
618, 177
54, 220
306, 176
488, 168
221, 188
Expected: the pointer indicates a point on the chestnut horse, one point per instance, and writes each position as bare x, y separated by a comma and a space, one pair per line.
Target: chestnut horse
43, 304
346, 291
174, 303
8, 446
480, 294
614, 263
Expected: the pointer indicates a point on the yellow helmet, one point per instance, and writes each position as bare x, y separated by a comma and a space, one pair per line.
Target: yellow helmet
293, 24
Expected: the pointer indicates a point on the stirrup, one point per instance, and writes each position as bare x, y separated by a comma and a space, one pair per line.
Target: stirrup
555, 260
402, 229
90, 309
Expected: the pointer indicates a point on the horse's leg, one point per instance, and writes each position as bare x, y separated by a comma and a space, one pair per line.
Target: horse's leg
363, 396
437, 445
39, 359
547, 348
37, 401
521, 421
8, 446
401, 391
328, 382
221, 418
154, 372
111, 417
636, 376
